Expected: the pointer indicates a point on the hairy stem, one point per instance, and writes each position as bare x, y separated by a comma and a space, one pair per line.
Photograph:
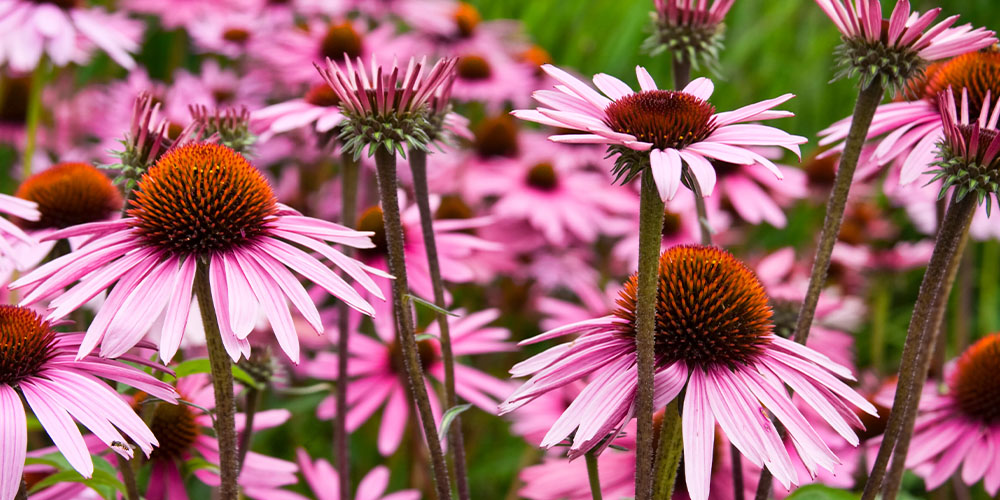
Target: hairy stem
385, 163
253, 395
650, 231
341, 438
920, 340
682, 72
671, 448
34, 115
222, 382
128, 478
418, 165
593, 476
864, 110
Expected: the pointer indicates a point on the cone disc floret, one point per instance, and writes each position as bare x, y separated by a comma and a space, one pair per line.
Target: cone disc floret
202, 198
26, 344
68, 194
974, 384
711, 310
175, 428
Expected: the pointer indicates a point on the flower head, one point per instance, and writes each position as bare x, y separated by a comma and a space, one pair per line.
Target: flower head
384, 108
962, 426
690, 30
663, 130
714, 342
969, 155
37, 363
68, 194
894, 51
200, 205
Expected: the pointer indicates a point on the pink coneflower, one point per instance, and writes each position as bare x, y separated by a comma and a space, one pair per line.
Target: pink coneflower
200, 204
664, 129
62, 30
320, 475
10, 234
38, 364
962, 426
895, 51
714, 341
181, 430
691, 31
757, 196
376, 368
319, 108
175, 14
551, 187
427, 16
912, 129
486, 74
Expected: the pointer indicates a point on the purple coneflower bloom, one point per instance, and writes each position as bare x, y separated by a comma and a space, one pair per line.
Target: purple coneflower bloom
320, 475
60, 30
714, 342
668, 128
38, 364
24, 210
199, 202
912, 128
962, 426
317, 108
375, 367
181, 430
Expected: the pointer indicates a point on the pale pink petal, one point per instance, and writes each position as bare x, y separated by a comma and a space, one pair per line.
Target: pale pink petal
698, 428
13, 441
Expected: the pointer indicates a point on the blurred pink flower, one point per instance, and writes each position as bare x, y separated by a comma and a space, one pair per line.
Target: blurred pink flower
10, 234
320, 476
375, 367
39, 364
729, 386
152, 257
63, 32
645, 125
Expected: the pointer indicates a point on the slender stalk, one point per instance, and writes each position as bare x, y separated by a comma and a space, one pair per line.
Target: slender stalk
682, 72
341, 438
128, 477
989, 281
418, 165
764, 485
222, 381
737, 464
385, 166
864, 110
880, 321
594, 476
920, 339
704, 227
671, 448
34, 115
253, 395
650, 231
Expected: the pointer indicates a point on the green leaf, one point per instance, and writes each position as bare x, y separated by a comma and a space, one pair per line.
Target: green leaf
820, 492
310, 389
104, 480
197, 463
425, 336
202, 365
430, 305
449, 417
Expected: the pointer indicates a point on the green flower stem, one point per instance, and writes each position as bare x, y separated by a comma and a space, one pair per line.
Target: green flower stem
594, 476
671, 448
864, 110
418, 165
222, 381
38, 78
252, 399
650, 238
989, 282
921, 337
881, 299
385, 166
128, 478
341, 438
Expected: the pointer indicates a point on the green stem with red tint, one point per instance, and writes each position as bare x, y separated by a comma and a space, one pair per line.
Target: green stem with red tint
385, 167
921, 337
593, 476
671, 448
650, 238
222, 382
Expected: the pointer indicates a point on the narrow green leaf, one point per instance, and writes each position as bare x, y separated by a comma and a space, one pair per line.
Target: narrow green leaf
449, 417
201, 365
820, 492
430, 305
